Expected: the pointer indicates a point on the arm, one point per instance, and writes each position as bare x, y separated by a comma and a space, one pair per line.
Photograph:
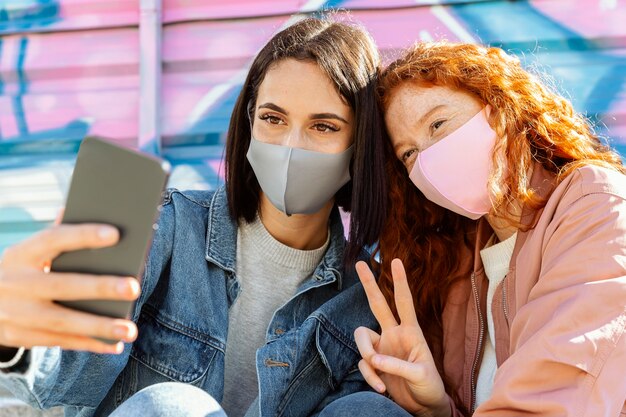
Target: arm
568, 343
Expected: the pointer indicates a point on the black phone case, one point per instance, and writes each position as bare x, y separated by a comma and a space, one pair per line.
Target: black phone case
121, 187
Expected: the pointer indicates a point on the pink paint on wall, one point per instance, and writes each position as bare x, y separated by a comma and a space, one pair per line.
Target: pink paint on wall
591, 18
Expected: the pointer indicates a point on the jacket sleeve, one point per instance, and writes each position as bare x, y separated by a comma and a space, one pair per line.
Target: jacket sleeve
49, 377
567, 342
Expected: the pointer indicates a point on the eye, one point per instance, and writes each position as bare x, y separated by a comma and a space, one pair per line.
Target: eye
271, 119
325, 127
405, 156
436, 125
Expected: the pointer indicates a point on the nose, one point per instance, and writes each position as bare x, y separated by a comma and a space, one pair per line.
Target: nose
295, 138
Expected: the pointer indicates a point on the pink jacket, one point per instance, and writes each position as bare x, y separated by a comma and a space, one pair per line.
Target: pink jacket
560, 313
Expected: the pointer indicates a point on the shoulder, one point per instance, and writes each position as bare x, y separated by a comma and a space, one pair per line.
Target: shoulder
593, 179
587, 187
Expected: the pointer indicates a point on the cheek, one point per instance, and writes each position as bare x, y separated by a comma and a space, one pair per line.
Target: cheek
410, 163
337, 142
347, 140
264, 132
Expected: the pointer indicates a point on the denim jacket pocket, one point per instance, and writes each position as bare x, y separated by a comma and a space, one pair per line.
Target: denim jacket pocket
171, 350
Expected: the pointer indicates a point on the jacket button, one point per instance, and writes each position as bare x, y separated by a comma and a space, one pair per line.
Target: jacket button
279, 331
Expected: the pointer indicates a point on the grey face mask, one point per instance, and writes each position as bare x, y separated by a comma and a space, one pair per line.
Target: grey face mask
298, 181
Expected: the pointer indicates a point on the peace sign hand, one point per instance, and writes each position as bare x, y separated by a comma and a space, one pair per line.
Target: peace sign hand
398, 359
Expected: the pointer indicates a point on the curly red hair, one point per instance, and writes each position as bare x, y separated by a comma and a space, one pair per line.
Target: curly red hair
534, 125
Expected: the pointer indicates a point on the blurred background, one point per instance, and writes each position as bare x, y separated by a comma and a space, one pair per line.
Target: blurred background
163, 75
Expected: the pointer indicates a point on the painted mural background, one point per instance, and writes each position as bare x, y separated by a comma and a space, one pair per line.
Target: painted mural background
69, 68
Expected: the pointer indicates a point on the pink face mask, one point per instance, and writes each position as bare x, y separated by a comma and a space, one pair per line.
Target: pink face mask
454, 172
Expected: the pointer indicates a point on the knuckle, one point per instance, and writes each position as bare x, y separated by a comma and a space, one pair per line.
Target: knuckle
104, 328
47, 236
50, 287
10, 253
9, 335
57, 322
104, 287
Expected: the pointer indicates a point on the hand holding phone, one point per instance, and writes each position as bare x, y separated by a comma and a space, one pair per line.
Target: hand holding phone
120, 187
30, 317
98, 266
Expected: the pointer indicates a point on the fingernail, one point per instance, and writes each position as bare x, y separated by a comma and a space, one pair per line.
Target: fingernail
117, 348
133, 286
132, 333
380, 388
107, 233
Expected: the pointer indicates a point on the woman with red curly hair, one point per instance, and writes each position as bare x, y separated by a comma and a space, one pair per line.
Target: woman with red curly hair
502, 287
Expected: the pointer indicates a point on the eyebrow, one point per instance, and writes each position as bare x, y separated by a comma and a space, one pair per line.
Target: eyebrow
420, 122
279, 109
328, 116
274, 107
429, 113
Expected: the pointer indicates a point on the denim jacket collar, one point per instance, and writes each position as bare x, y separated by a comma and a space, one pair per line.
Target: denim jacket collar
221, 241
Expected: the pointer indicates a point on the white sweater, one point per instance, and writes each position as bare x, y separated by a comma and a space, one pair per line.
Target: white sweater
269, 274
496, 261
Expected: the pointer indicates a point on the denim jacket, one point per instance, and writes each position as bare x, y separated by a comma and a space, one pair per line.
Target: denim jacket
309, 358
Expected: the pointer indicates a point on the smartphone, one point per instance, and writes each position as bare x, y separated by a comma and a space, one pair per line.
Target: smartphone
123, 188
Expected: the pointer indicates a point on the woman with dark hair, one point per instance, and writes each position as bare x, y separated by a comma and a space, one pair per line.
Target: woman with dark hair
244, 295
502, 288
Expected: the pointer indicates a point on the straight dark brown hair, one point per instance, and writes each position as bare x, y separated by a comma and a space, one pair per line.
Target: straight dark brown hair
349, 57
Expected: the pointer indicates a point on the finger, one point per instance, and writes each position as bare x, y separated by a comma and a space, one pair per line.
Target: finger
371, 377
375, 298
29, 338
51, 242
412, 372
49, 316
402, 294
59, 217
70, 286
365, 340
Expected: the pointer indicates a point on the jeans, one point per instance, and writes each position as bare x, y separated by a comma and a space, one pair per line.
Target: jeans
364, 404
170, 399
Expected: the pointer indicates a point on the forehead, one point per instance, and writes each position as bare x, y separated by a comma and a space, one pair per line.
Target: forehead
301, 82
408, 102
414, 99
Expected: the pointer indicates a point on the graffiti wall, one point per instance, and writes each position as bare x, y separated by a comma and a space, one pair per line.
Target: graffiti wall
69, 68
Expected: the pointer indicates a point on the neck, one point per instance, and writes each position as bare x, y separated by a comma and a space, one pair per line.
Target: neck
298, 231
501, 227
